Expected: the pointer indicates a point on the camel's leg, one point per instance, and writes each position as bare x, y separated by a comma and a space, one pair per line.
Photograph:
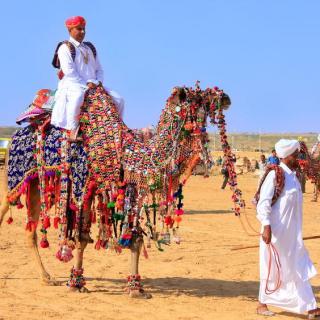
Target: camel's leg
4, 208
77, 281
135, 255
31, 236
134, 285
315, 192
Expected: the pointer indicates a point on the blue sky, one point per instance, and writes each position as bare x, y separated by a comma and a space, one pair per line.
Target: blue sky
264, 54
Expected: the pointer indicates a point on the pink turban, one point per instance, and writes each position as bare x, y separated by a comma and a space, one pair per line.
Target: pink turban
75, 22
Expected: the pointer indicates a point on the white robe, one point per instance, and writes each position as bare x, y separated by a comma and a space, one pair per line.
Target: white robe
72, 88
285, 218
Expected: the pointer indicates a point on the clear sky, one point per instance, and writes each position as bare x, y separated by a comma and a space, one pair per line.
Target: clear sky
264, 54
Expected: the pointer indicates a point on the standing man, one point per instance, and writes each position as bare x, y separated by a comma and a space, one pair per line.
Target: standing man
224, 172
315, 156
315, 151
273, 159
281, 220
80, 70
262, 164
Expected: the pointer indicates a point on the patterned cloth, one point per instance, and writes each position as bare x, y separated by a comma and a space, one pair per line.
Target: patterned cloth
42, 104
22, 163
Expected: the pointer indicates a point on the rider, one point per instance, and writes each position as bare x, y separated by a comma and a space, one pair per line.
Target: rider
80, 70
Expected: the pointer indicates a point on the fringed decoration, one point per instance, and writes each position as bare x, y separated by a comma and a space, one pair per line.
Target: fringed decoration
134, 283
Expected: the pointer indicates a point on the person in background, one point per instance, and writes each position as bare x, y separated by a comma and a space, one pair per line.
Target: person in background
262, 164
219, 161
224, 172
273, 159
315, 150
224, 169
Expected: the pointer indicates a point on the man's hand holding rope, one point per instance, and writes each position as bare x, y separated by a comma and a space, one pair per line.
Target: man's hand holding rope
267, 234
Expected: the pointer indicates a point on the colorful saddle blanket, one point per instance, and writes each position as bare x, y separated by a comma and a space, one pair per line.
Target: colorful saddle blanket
42, 104
22, 166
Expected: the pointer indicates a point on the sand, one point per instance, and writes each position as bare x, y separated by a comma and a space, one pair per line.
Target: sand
199, 279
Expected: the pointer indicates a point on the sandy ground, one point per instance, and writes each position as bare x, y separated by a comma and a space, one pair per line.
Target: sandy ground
199, 279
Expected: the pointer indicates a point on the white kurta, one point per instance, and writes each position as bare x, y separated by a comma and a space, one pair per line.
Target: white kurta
71, 89
285, 218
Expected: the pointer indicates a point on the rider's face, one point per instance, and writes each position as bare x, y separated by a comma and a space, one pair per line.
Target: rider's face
78, 33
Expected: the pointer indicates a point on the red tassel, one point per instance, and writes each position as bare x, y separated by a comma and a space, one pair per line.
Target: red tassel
56, 222
169, 221
98, 245
93, 217
44, 243
46, 222
10, 220
20, 205
31, 226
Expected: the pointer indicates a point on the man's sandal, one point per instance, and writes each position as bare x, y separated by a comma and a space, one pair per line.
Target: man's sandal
315, 314
264, 311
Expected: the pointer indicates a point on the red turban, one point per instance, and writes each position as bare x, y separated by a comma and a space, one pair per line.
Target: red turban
75, 22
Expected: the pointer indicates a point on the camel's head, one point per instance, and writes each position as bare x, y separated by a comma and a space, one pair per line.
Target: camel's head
190, 109
193, 106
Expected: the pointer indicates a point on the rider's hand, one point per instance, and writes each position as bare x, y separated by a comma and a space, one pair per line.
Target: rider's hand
91, 85
267, 234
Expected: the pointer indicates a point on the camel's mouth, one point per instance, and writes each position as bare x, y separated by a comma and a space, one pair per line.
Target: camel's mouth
225, 101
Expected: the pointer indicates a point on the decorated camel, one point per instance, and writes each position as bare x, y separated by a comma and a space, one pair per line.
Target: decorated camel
310, 166
130, 187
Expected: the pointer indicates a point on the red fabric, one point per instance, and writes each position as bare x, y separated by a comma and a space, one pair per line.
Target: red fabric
75, 22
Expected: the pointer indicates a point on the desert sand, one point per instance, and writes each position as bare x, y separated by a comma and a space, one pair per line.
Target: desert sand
199, 279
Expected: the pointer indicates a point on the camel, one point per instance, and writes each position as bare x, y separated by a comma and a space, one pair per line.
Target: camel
130, 178
310, 167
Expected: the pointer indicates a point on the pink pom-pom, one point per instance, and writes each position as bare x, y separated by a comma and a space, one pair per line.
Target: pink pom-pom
179, 212
73, 207
64, 254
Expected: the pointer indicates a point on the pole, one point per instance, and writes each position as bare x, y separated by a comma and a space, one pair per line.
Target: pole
259, 140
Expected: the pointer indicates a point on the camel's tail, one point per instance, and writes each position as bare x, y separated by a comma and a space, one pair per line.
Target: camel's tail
4, 206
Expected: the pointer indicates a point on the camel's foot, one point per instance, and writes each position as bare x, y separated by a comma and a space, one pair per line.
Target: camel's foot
79, 290
47, 280
85, 236
76, 282
135, 288
139, 294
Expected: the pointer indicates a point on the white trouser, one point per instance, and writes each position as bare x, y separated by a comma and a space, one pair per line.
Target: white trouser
69, 100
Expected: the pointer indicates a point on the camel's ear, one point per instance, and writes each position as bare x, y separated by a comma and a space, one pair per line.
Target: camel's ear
182, 95
225, 101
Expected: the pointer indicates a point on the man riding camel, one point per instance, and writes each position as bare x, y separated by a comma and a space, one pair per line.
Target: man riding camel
284, 282
79, 70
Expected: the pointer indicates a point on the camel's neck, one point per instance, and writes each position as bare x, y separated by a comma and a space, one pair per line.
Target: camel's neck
168, 129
